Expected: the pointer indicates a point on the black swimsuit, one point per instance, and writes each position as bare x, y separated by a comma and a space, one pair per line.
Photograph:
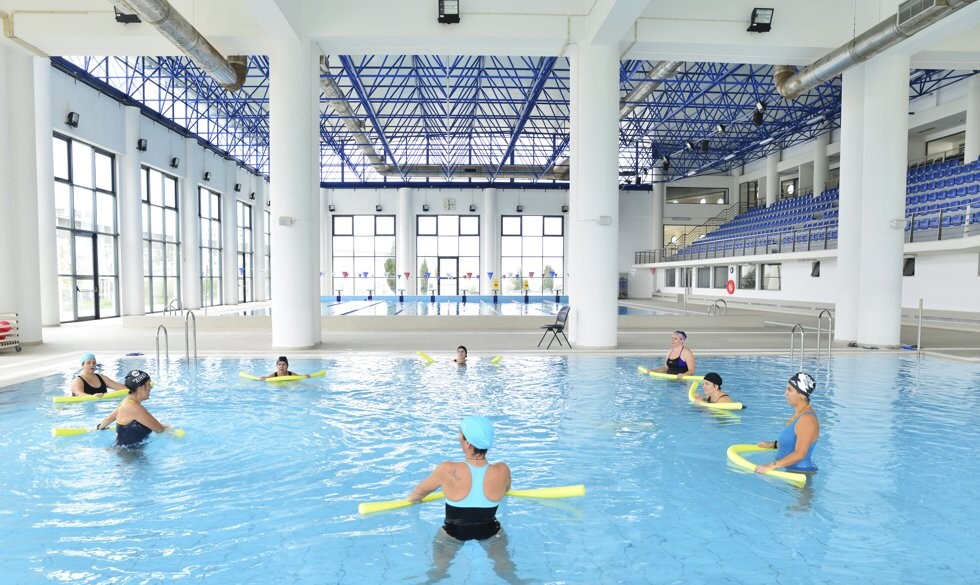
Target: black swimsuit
89, 389
708, 398
471, 523
131, 433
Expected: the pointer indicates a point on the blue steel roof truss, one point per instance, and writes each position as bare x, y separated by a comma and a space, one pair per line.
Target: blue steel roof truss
487, 112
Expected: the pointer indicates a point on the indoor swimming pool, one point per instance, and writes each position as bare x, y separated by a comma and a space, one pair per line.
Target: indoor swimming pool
265, 485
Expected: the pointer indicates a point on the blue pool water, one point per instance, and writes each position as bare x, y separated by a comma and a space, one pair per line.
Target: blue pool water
265, 485
474, 305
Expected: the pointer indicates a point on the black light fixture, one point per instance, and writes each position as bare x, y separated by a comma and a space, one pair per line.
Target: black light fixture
174, 162
72, 119
141, 145
425, 207
238, 187
761, 20
720, 128
520, 209
207, 175
705, 145
378, 208
252, 195
448, 11
126, 18
757, 117
689, 145
472, 207
331, 208
564, 209
666, 165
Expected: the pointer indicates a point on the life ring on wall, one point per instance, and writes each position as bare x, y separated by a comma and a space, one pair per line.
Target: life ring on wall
730, 287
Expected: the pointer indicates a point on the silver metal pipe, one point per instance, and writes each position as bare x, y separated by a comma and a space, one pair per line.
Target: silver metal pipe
159, 14
918, 335
187, 345
871, 42
166, 341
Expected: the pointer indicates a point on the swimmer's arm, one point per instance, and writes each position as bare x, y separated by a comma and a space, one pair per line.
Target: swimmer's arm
76, 387
148, 420
109, 419
429, 484
112, 383
689, 361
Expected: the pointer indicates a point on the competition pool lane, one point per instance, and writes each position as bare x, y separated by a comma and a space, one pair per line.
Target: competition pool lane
451, 306
265, 485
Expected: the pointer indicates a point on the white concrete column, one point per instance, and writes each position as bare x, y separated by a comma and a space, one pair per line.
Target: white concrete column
191, 169
294, 157
229, 233
594, 196
772, 178
404, 242
849, 204
821, 164
258, 236
659, 194
131, 218
47, 243
972, 119
489, 239
21, 292
883, 200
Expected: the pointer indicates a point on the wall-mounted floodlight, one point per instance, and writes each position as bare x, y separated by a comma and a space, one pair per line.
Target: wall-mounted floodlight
520, 209
689, 145
238, 187
252, 195
174, 162
761, 20
448, 11
425, 207
72, 119
378, 208
472, 207
757, 117
141, 145
720, 128
331, 208
564, 209
207, 175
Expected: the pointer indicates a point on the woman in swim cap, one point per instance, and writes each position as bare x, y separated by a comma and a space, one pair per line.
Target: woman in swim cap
282, 369
134, 423
89, 382
794, 446
680, 359
712, 390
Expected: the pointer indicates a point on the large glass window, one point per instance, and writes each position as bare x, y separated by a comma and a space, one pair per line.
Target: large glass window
447, 251
245, 266
721, 276
161, 239
364, 254
532, 251
770, 276
746, 276
87, 235
267, 243
210, 218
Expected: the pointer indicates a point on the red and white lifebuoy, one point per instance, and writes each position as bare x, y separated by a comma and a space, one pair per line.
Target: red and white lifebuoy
730, 287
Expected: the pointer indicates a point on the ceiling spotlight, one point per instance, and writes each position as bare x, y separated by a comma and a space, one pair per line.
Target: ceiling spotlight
689, 145
141, 145
757, 117
720, 128
378, 208
705, 145
761, 106
666, 165
761, 20
72, 119
174, 162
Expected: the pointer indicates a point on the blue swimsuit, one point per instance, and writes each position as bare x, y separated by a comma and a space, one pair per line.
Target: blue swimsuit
787, 444
131, 433
475, 516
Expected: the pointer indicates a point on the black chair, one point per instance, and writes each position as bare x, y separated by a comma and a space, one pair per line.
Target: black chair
556, 328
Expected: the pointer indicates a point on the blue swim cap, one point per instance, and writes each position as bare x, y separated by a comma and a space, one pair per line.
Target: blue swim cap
87, 357
478, 431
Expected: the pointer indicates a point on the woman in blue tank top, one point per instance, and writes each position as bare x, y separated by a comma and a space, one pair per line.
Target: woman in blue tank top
794, 446
473, 489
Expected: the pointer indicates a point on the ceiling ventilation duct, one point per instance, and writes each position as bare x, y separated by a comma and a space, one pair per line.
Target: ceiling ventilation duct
912, 17
230, 73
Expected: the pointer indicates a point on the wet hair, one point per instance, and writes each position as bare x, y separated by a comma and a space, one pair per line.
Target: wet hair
282, 359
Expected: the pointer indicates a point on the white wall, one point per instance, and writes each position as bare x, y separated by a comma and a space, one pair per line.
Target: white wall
947, 282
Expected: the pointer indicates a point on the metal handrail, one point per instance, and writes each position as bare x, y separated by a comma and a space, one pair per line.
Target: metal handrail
175, 305
792, 343
187, 347
830, 330
715, 305
166, 345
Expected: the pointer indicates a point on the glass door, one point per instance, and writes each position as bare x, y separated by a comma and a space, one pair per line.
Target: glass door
448, 275
86, 277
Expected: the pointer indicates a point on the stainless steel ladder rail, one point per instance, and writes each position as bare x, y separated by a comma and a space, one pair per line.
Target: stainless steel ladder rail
830, 330
166, 345
720, 305
187, 347
175, 305
792, 343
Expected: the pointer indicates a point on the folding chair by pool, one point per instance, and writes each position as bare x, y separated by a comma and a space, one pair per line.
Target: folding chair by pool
557, 328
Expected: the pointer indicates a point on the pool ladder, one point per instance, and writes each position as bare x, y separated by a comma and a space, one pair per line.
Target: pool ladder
166, 345
719, 307
792, 343
187, 345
